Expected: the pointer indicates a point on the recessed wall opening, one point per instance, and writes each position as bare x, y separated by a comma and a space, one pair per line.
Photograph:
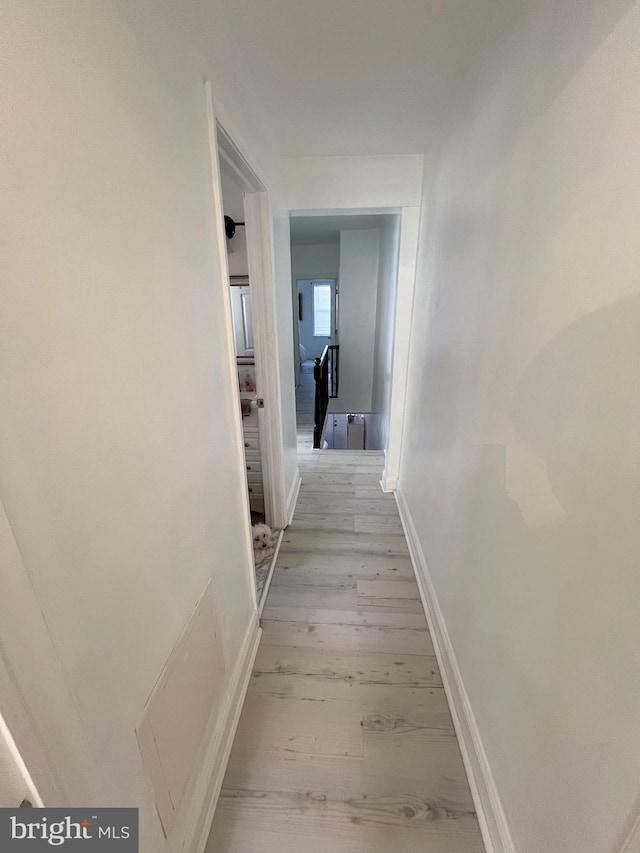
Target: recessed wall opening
344, 283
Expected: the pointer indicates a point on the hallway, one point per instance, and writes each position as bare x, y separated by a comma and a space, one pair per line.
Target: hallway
345, 742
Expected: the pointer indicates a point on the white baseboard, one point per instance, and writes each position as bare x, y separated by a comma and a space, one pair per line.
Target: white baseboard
389, 481
493, 823
388, 484
292, 499
195, 817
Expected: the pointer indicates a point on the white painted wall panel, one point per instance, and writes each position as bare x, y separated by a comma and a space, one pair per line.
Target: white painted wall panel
188, 692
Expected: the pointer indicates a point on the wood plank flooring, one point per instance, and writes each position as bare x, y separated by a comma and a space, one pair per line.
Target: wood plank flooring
345, 743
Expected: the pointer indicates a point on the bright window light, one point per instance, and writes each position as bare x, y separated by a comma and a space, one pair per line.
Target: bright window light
322, 310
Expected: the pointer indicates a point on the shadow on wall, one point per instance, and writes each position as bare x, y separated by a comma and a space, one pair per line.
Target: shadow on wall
554, 598
588, 378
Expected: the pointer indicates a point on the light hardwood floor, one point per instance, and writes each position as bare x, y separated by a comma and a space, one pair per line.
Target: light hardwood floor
345, 744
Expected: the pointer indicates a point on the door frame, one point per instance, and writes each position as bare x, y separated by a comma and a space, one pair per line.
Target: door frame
260, 255
410, 216
405, 291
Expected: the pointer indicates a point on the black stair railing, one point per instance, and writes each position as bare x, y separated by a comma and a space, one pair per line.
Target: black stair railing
325, 372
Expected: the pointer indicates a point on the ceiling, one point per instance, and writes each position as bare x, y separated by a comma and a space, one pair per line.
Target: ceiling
364, 76
315, 230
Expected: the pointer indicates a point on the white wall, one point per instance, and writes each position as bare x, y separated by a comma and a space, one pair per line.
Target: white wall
321, 260
389, 244
358, 291
521, 453
120, 461
332, 183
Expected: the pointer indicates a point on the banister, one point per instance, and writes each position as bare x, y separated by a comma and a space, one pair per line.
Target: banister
325, 374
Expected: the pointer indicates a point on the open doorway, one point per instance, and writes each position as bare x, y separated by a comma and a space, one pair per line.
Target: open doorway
317, 329
344, 280
247, 264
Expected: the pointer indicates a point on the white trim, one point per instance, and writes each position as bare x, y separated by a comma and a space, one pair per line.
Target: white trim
37, 696
631, 844
491, 816
11, 697
260, 255
265, 334
220, 252
193, 823
27, 784
388, 484
267, 583
237, 153
292, 500
342, 211
405, 294
407, 261
230, 165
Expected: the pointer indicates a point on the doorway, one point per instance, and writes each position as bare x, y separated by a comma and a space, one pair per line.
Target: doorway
345, 326
245, 252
